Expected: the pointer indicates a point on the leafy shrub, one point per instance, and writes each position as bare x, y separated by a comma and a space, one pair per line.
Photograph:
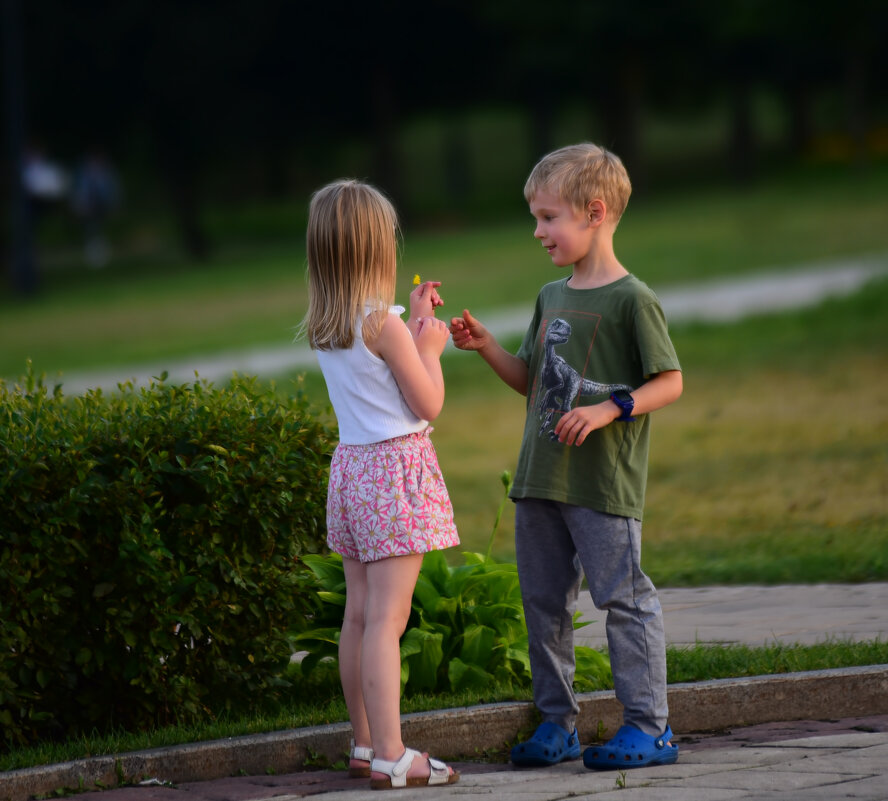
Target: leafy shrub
466, 628
152, 550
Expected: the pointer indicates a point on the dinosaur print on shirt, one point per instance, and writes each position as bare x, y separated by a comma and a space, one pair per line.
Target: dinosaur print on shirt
560, 384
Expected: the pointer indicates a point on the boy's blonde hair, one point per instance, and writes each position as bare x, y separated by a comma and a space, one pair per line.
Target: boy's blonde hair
580, 173
352, 247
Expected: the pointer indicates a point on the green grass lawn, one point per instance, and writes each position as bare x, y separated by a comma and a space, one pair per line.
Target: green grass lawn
771, 467
134, 312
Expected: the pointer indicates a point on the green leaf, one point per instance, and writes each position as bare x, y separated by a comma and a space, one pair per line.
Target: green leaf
593, 670
425, 594
462, 676
328, 570
424, 660
477, 645
307, 638
100, 590
436, 569
333, 598
411, 643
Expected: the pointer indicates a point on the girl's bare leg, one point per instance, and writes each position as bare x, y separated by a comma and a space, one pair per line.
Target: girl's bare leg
350, 639
390, 584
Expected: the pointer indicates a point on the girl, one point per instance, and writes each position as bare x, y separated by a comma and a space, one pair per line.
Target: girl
386, 503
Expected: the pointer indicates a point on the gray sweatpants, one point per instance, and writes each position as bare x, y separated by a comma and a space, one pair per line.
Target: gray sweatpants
555, 543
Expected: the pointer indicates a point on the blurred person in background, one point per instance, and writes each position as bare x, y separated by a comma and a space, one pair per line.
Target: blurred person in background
45, 182
94, 197
44, 185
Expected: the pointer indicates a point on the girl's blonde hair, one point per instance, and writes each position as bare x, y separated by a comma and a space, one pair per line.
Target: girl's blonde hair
580, 173
352, 244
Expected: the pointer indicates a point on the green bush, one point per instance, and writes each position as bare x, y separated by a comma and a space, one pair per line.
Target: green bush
466, 627
152, 551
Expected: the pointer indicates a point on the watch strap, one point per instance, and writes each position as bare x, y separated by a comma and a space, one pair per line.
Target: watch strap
626, 408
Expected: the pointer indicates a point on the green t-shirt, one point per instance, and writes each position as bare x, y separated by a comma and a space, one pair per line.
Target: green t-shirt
581, 345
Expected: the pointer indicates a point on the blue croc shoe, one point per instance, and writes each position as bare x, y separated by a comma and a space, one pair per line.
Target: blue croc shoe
632, 748
549, 745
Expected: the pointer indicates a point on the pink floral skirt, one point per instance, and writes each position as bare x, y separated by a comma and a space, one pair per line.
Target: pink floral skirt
388, 499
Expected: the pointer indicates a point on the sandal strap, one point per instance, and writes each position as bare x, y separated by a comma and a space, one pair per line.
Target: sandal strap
361, 752
664, 738
438, 773
396, 771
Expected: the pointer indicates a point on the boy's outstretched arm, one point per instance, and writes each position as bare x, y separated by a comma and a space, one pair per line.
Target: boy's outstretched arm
659, 391
468, 334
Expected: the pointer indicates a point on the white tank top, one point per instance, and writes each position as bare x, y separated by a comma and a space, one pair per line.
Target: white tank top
369, 406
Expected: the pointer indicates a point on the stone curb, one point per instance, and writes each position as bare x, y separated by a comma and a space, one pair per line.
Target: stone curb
469, 732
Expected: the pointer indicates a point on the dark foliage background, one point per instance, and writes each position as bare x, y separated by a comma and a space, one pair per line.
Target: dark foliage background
201, 103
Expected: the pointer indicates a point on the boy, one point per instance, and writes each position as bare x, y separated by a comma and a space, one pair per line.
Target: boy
595, 361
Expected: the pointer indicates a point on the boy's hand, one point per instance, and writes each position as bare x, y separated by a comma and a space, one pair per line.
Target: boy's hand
425, 299
578, 423
468, 333
431, 336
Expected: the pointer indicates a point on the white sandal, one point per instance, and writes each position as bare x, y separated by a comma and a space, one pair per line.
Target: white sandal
397, 773
362, 753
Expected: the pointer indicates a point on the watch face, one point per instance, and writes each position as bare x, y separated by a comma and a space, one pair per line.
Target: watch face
623, 396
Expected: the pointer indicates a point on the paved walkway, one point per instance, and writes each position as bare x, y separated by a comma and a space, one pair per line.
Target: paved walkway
718, 300
762, 615
802, 761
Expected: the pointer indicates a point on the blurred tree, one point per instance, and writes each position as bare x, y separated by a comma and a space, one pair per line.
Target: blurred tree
799, 49
374, 66
22, 268
861, 35
230, 98
604, 54
161, 74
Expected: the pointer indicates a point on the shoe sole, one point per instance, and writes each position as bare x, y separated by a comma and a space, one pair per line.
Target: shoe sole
531, 761
616, 764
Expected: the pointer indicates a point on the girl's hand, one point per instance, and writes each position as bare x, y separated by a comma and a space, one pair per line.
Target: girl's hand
431, 336
424, 300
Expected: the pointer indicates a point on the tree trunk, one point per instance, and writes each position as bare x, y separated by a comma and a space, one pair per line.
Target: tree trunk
180, 167
23, 274
797, 98
856, 102
621, 105
387, 168
741, 155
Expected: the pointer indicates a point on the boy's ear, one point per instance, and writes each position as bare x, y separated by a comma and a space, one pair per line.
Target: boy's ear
596, 210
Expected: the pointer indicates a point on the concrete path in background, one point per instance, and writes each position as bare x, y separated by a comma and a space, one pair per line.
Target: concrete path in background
717, 300
805, 614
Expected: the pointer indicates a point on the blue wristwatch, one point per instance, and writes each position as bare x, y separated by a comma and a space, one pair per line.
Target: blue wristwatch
624, 400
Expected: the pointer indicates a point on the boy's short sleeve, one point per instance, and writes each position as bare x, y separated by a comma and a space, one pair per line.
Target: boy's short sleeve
652, 335
525, 351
